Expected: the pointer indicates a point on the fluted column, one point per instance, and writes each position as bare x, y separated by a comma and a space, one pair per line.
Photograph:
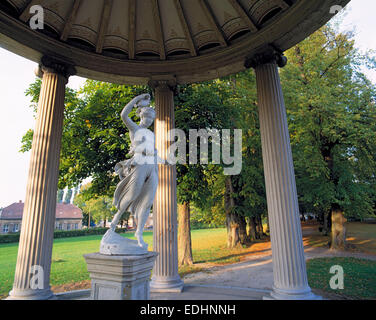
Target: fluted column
289, 267
165, 273
32, 276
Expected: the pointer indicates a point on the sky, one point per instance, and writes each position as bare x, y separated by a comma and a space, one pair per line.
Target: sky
16, 117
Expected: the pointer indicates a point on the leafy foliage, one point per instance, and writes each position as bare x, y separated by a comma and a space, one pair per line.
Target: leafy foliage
94, 138
200, 106
332, 122
99, 208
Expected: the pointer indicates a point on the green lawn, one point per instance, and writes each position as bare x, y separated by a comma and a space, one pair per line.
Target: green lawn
68, 264
359, 276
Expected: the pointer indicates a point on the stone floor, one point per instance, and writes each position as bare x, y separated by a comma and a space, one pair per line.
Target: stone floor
190, 292
212, 292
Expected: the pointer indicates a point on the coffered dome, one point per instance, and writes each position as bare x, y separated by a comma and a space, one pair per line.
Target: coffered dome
132, 41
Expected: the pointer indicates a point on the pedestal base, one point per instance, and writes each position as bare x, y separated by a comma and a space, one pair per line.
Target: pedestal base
278, 294
120, 277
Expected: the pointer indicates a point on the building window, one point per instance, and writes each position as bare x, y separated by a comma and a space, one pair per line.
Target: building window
68, 226
76, 226
60, 226
16, 227
5, 228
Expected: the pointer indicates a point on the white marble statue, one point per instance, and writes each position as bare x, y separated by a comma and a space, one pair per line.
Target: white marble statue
138, 180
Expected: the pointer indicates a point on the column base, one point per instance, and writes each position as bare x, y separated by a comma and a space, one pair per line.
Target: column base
278, 294
159, 284
29, 294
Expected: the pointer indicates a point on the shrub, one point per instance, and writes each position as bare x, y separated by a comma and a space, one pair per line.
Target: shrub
8, 238
195, 225
14, 237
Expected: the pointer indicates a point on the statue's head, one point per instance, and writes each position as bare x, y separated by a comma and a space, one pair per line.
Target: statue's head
147, 115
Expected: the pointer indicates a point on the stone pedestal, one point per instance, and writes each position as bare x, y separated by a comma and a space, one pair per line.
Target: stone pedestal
289, 267
165, 274
32, 276
120, 277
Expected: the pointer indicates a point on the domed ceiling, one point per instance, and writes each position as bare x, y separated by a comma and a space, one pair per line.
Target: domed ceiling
133, 41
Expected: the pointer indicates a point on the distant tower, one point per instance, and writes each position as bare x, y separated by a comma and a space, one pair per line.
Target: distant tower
68, 196
60, 195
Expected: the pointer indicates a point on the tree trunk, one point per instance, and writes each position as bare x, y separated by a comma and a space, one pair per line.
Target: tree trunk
252, 232
184, 235
104, 223
243, 230
338, 234
327, 153
233, 238
232, 222
88, 225
267, 225
326, 223
260, 229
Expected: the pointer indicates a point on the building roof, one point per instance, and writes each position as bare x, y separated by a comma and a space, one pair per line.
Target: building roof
63, 211
134, 41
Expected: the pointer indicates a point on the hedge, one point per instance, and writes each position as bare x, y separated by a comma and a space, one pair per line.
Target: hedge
14, 237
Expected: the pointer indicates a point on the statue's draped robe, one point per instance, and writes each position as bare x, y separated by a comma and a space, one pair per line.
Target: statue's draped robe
129, 169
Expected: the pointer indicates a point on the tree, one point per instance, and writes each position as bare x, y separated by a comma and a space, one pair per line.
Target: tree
331, 111
242, 197
248, 188
80, 202
198, 106
94, 209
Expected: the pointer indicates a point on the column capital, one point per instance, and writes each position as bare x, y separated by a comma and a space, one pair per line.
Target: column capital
264, 55
163, 82
53, 65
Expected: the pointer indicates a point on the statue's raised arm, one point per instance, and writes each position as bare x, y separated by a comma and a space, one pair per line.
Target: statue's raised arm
142, 100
